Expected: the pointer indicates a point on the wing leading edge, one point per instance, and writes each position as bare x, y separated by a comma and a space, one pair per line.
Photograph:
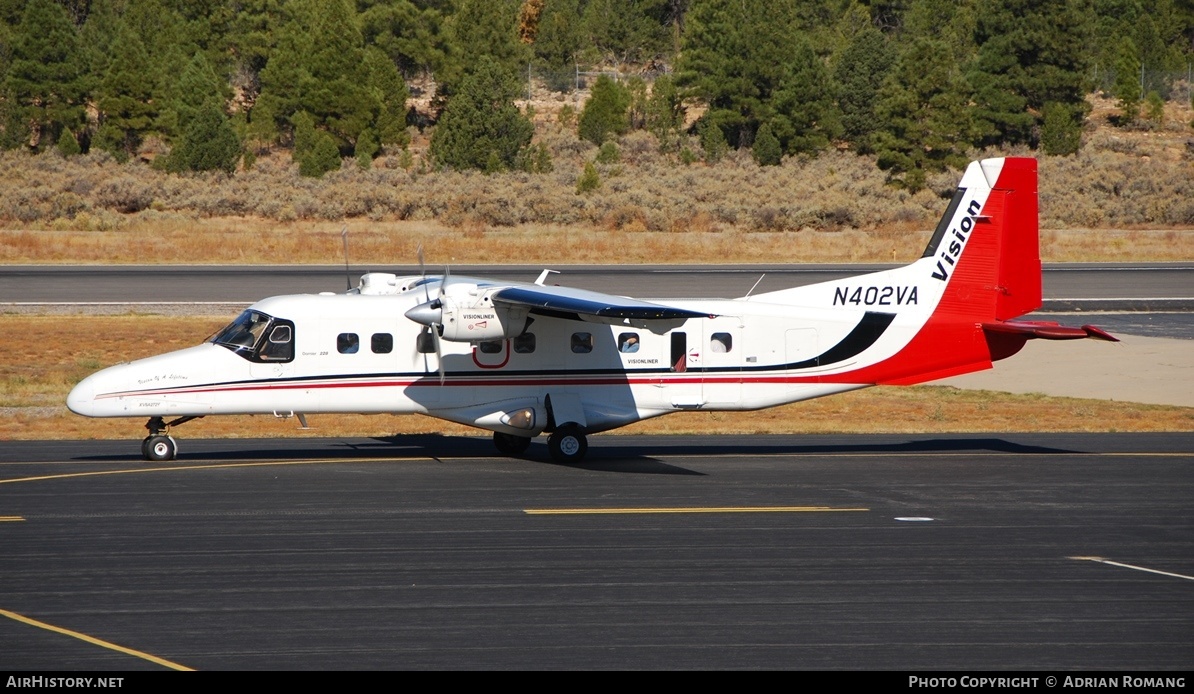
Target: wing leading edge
566, 302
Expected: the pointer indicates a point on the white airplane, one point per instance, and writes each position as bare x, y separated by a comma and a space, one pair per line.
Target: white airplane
521, 359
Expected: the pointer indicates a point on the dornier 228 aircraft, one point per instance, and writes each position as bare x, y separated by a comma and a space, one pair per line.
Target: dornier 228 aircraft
522, 359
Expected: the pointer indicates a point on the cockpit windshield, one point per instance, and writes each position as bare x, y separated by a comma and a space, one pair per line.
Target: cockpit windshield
247, 337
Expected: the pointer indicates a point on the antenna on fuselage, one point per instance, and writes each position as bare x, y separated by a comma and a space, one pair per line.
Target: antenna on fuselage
756, 284
347, 276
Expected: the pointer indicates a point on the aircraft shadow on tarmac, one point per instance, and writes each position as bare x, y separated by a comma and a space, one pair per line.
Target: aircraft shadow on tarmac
630, 454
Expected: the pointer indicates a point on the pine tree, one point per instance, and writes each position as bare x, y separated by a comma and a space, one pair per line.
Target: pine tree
589, 179
68, 144
366, 149
318, 68
208, 142
735, 57
859, 74
197, 84
924, 115
412, 34
45, 86
665, 113
806, 117
1154, 109
1061, 130
713, 140
623, 31
323, 157
126, 97
1029, 53
482, 29
751, 64
1127, 81
389, 94
766, 148
481, 127
315, 150
557, 43
604, 114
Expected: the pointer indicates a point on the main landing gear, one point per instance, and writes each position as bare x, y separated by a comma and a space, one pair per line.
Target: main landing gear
567, 444
160, 447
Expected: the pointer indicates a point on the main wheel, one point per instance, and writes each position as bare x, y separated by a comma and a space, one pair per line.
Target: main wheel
568, 444
509, 444
159, 448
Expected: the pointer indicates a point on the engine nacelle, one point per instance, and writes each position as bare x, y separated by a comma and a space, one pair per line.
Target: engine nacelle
480, 324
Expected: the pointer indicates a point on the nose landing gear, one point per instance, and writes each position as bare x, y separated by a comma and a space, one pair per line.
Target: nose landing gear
160, 447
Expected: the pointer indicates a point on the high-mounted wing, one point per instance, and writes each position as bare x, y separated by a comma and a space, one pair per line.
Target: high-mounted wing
567, 302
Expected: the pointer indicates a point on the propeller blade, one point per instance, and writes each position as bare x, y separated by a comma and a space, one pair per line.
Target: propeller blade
436, 329
423, 273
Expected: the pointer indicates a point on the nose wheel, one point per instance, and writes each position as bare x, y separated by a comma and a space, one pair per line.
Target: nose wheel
159, 446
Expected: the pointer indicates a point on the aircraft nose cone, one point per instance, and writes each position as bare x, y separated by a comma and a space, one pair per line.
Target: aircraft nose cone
428, 314
82, 397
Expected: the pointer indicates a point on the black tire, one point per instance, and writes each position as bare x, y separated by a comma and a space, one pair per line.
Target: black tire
160, 449
509, 444
568, 444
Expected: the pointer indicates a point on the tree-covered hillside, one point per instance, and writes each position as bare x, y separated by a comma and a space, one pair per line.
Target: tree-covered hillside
916, 84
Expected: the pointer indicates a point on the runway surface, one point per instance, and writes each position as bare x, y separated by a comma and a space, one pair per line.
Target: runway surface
1067, 286
1012, 552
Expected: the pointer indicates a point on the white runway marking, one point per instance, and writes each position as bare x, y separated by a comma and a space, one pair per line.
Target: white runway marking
1130, 566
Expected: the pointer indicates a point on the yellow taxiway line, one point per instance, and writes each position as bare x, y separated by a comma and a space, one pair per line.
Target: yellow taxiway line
93, 640
688, 509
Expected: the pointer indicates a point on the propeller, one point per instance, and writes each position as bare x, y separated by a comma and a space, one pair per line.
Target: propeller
431, 312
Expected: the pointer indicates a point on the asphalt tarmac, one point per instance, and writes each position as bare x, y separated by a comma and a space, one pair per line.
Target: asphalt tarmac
1042, 553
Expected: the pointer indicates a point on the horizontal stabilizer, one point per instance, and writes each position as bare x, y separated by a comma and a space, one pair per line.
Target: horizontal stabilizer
1049, 330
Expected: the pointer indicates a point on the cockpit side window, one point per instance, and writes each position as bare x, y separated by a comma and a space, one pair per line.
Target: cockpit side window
279, 346
247, 336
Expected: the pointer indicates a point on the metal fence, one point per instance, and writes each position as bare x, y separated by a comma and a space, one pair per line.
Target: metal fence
577, 77
1171, 85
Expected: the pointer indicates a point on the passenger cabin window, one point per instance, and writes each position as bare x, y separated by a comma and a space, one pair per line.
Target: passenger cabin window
258, 337
628, 343
524, 343
582, 343
721, 342
348, 343
490, 347
382, 343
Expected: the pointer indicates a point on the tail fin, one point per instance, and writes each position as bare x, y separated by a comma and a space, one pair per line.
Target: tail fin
951, 311
981, 269
993, 218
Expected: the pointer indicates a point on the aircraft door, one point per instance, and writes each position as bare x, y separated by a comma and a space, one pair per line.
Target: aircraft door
722, 360
684, 386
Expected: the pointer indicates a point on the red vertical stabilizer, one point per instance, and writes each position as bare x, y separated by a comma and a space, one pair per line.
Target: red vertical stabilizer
1014, 199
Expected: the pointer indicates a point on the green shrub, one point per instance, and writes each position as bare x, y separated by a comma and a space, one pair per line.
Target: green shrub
608, 154
766, 148
589, 180
1061, 131
605, 113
